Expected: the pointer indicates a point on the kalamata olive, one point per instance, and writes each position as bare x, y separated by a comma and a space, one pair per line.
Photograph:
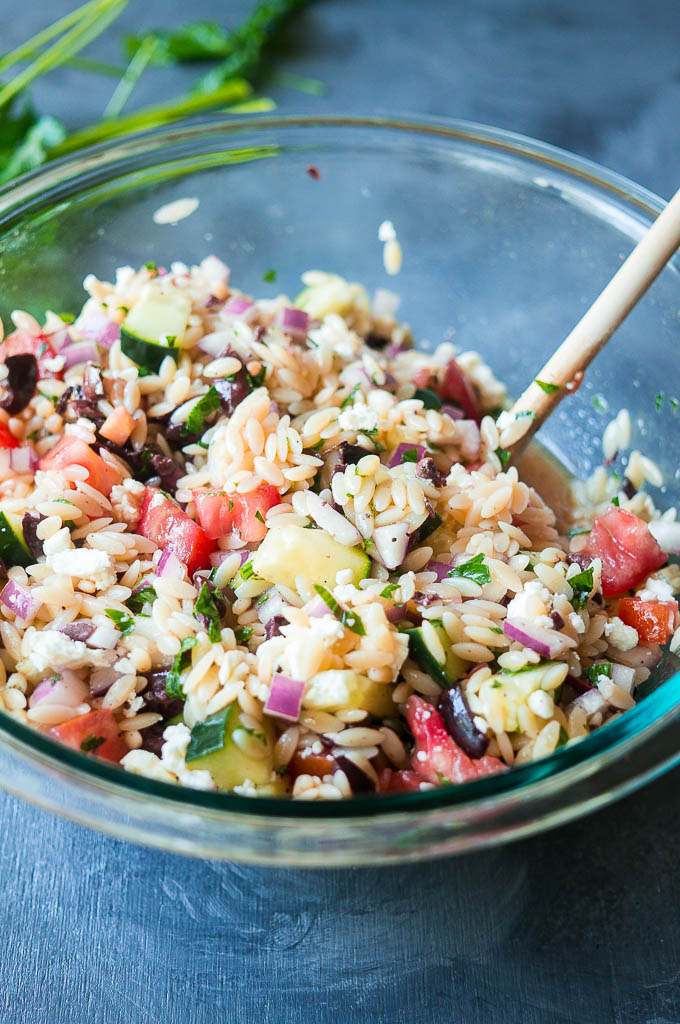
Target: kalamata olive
232, 390
156, 696
77, 630
557, 620
29, 526
20, 383
358, 780
152, 738
457, 719
273, 626
427, 470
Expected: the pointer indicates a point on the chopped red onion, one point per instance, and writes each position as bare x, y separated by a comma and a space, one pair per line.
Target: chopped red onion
319, 610
80, 352
23, 460
392, 351
395, 457
592, 701
237, 309
293, 321
101, 680
19, 600
470, 438
624, 676
67, 689
79, 630
60, 338
396, 614
285, 698
217, 557
667, 535
97, 326
546, 642
641, 656
169, 566
269, 605
453, 411
391, 544
440, 568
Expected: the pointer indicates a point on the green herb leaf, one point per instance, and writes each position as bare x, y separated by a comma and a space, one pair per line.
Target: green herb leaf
350, 620
124, 622
600, 403
503, 456
145, 595
409, 455
195, 41
173, 682
476, 569
33, 150
350, 397
243, 634
388, 590
208, 736
577, 531
582, 585
429, 398
246, 571
549, 389
92, 743
615, 500
205, 606
658, 401
269, 276
204, 408
595, 671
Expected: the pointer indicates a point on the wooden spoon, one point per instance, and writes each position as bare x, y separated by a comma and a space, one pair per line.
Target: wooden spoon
564, 370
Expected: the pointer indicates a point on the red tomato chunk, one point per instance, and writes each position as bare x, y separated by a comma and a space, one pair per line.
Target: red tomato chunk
627, 549
436, 757
95, 733
7, 438
71, 451
22, 343
653, 620
168, 526
221, 513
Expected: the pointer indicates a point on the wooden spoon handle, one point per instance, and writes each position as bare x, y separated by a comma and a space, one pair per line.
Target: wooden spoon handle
565, 367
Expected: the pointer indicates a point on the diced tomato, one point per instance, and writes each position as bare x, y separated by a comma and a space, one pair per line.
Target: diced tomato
21, 342
653, 620
220, 513
457, 388
72, 451
310, 764
436, 756
627, 549
399, 782
168, 526
7, 438
85, 732
118, 425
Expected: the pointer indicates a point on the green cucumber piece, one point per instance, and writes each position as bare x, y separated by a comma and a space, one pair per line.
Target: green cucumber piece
212, 748
13, 547
152, 327
291, 551
446, 671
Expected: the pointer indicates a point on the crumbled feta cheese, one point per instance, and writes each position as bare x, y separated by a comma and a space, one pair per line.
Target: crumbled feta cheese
577, 622
59, 541
86, 564
50, 649
656, 589
246, 788
143, 762
358, 417
621, 636
173, 758
328, 629
530, 603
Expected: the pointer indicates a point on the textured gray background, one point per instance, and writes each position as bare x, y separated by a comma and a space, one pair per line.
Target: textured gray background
577, 926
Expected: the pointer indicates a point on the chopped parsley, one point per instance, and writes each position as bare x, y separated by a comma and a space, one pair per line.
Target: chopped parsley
256, 380
658, 401
595, 671
546, 386
350, 620
173, 682
243, 634
615, 500
578, 530
387, 591
674, 403
92, 743
476, 570
204, 408
151, 266
205, 607
503, 456
137, 601
563, 738
367, 543
350, 397
428, 397
409, 455
600, 403
124, 622
258, 515
246, 571
208, 736
269, 276
581, 584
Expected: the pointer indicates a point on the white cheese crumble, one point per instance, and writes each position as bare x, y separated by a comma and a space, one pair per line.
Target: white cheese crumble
48, 649
656, 590
621, 636
530, 603
86, 564
358, 417
173, 758
577, 622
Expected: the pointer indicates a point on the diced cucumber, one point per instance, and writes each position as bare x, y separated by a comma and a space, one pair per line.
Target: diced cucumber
291, 551
340, 689
213, 748
13, 548
444, 671
154, 328
508, 691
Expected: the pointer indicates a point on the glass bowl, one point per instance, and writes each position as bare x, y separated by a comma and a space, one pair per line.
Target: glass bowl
506, 242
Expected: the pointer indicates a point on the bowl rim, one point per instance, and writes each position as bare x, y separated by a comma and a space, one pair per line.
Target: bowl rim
604, 746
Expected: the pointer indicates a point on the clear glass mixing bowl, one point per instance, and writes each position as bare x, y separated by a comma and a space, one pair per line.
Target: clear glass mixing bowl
506, 242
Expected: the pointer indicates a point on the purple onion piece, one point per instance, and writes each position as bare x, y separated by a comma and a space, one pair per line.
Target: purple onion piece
273, 626
78, 630
395, 458
458, 722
